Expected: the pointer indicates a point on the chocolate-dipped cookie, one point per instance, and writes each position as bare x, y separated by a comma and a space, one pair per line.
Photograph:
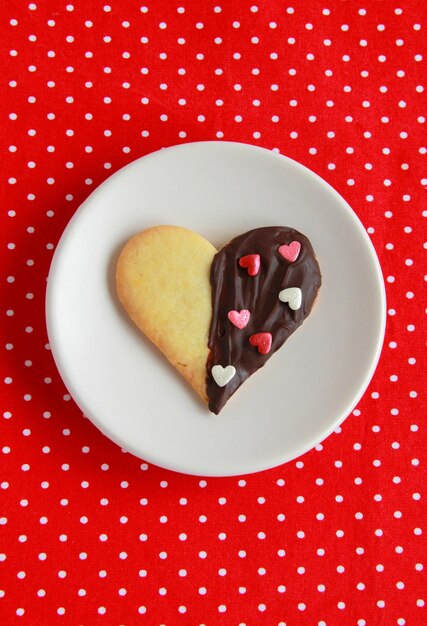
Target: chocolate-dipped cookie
218, 316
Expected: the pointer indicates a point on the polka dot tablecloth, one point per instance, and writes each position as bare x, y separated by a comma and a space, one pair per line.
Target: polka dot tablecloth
90, 534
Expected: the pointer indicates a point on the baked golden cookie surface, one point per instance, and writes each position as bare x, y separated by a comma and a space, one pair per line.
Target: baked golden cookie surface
162, 281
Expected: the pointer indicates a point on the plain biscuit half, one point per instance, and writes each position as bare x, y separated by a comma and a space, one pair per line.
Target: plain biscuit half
163, 282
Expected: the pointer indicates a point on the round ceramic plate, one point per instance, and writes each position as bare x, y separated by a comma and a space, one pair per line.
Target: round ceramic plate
123, 383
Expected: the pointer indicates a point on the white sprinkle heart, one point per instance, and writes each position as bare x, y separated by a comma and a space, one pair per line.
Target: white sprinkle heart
223, 375
293, 296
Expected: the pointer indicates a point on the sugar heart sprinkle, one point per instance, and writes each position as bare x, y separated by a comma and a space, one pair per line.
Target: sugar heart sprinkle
223, 375
240, 318
252, 262
262, 341
290, 252
293, 296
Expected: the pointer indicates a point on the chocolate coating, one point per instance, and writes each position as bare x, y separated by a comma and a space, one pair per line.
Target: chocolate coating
234, 289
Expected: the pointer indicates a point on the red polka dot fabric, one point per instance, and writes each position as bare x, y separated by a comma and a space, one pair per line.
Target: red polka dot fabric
92, 535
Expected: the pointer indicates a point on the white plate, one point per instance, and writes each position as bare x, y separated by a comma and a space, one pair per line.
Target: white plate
127, 388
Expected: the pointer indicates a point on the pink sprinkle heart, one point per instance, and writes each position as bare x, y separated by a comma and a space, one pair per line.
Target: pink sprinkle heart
252, 262
262, 341
290, 252
240, 318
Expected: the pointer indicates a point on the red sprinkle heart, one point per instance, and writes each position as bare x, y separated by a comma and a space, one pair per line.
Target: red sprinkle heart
240, 318
252, 262
262, 341
290, 252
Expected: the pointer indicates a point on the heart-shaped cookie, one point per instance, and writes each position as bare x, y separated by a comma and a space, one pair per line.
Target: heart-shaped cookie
218, 316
